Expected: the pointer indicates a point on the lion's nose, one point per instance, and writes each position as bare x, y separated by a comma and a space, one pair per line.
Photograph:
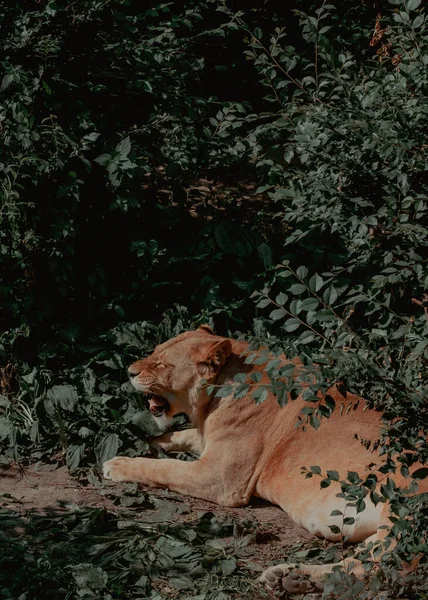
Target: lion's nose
132, 372
135, 369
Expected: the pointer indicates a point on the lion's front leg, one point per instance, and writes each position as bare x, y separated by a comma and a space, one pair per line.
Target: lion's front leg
188, 440
200, 478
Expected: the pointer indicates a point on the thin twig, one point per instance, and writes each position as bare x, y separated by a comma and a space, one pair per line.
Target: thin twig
423, 304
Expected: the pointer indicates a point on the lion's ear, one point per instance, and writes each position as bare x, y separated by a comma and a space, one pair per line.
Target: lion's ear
206, 328
215, 357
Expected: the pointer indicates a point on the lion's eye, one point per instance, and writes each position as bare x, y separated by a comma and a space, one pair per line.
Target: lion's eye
160, 366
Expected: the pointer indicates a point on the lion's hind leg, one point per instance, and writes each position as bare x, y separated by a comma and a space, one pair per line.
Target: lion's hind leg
289, 578
303, 579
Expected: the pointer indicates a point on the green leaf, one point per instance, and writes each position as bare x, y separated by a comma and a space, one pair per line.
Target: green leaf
181, 582
256, 376
240, 377
65, 396
241, 391
310, 304
315, 423
371, 481
85, 432
228, 566
277, 314
5, 428
260, 394
297, 289
124, 147
421, 473
273, 364
224, 391
50, 10
307, 337
418, 21
265, 254
264, 302
103, 159
281, 299
302, 272
107, 447
331, 404
89, 380
353, 477
74, 455
288, 154
330, 295
87, 576
325, 314
6, 81
285, 274
291, 325
316, 282
413, 4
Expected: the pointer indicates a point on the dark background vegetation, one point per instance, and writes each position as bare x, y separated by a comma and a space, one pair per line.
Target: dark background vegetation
258, 167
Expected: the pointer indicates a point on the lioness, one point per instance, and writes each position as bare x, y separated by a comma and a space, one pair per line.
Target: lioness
253, 450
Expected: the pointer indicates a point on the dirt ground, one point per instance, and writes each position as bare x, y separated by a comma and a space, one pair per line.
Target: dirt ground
48, 491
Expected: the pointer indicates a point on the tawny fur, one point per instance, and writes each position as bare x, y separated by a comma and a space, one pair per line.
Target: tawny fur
256, 450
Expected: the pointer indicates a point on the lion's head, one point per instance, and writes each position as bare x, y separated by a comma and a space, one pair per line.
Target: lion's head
170, 377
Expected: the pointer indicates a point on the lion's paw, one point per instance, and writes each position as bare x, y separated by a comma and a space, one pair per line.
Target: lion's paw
273, 576
286, 577
117, 469
160, 443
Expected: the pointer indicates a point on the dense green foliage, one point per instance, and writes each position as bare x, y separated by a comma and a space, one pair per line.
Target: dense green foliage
107, 556
214, 161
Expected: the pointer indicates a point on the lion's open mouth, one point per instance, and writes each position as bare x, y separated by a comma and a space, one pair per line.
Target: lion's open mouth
158, 405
